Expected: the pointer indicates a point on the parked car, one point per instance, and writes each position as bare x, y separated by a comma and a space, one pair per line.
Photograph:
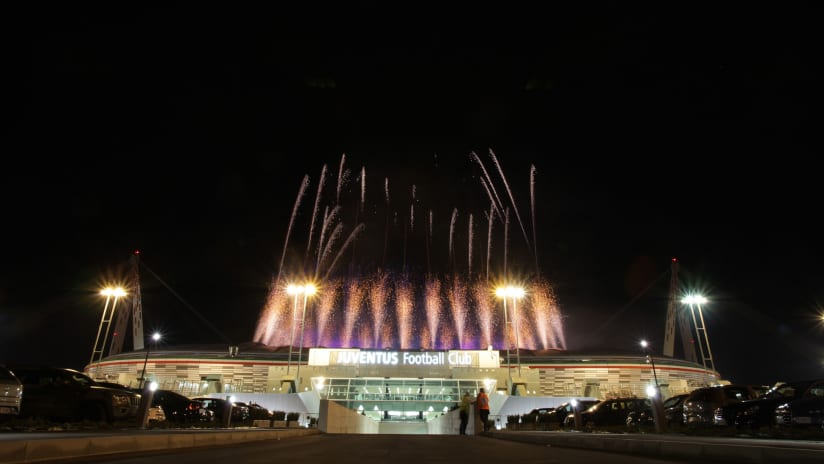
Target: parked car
239, 413
11, 393
699, 407
612, 412
760, 412
181, 409
68, 394
564, 413
256, 411
673, 408
802, 412
536, 417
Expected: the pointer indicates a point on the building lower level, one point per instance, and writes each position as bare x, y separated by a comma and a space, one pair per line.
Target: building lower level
389, 384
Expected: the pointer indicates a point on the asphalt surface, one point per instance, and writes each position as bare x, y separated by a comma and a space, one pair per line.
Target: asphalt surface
53, 447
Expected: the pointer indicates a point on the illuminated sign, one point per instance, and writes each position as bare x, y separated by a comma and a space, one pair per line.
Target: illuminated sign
356, 357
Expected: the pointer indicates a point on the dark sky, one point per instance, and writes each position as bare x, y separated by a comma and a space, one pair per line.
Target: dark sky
185, 132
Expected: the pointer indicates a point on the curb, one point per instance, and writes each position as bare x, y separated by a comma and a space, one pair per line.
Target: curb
50, 449
751, 451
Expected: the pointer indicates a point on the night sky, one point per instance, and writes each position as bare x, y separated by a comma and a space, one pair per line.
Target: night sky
185, 132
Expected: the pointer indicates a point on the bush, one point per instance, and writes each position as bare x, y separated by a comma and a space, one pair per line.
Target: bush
279, 415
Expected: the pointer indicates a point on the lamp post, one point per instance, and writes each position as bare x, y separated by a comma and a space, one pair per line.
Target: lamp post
500, 292
308, 290
657, 410
297, 290
112, 295
146, 403
515, 293
706, 356
155, 338
650, 360
293, 290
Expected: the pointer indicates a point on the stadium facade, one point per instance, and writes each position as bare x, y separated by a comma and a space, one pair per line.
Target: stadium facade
397, 384
396, 318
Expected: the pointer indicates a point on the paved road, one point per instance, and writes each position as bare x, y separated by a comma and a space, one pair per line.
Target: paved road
382, 449
237, 446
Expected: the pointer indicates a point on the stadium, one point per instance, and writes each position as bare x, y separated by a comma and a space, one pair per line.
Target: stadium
398, 314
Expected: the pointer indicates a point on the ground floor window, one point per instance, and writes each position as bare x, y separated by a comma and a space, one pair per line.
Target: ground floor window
397, 399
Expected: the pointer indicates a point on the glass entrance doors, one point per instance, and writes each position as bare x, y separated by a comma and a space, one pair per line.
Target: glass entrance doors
398, 399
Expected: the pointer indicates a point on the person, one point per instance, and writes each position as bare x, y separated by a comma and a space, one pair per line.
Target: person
483, 408
466, 403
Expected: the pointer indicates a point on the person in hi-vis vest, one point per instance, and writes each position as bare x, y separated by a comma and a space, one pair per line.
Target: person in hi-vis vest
483, 408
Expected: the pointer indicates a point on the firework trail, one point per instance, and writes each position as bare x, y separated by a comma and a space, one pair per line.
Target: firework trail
411, 217
542, 304
343, 248
405, 304
315, 211
534, 229
425, 339
386, 336
452, 232
494, 207
432, 302
327, 250
517, 324
340, 178
489, 183
301, 193
469, 253
412, 210
354, 304
386, 226
509, 192
325, 312
490, 221
441, 309
323, 255
484, 308
452, 311
386, 189
272, 317
378, 297
506, 242
428, 242
430, 224
457, 300
362, 187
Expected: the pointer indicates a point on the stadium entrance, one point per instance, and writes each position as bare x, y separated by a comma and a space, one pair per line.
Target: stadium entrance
398, 399
390, 385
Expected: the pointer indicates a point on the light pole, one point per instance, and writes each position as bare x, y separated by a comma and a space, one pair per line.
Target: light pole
294, 290
155, 338
650, 360
657, 412
146, 403
515, 293
706, 356
106, 319
297, 290
308, 290
500, 292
